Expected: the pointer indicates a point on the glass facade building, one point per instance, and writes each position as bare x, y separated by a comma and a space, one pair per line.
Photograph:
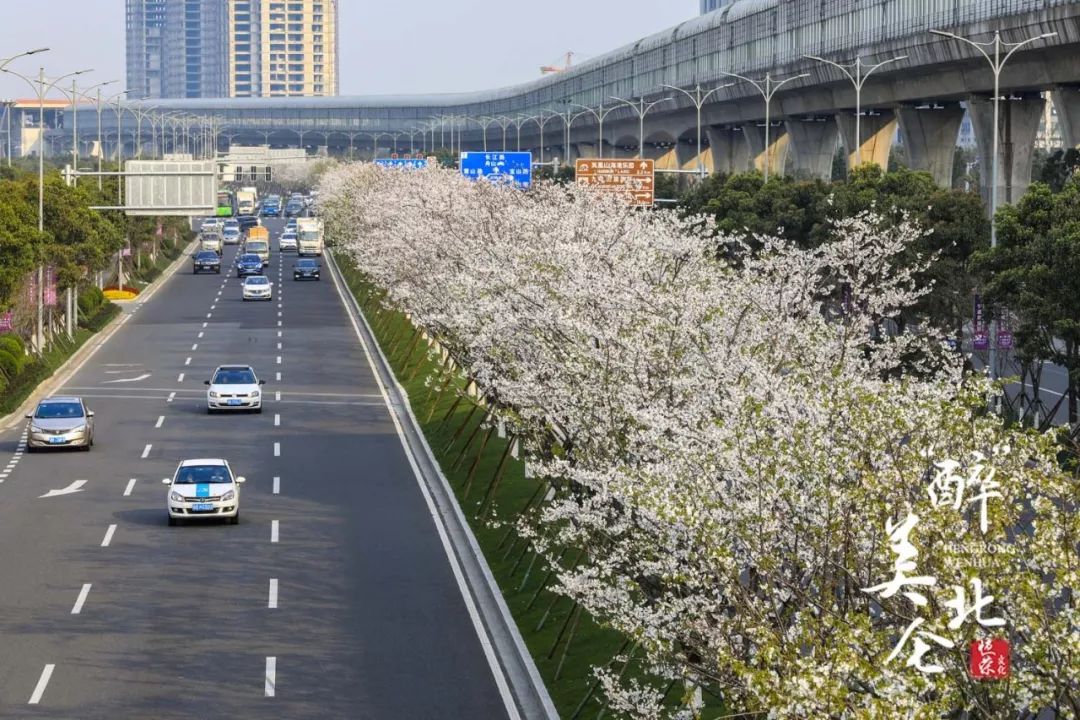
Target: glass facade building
176, 48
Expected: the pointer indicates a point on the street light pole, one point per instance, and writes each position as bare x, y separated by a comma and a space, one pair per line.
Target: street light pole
854, 72
997, 63
599, 115
699, 100
641, 109
768, 88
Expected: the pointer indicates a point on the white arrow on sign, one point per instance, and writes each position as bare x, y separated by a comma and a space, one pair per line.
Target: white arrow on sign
126, 380
72, 488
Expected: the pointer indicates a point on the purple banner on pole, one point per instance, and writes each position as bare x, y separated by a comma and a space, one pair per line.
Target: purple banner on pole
7, 322
50, 286
980, 335
1005, 339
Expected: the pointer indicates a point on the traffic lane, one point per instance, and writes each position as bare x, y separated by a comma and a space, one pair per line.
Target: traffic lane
45, 541
370, 615
167, 628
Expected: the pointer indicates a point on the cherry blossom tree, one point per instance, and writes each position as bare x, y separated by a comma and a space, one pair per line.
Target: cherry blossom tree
779, 503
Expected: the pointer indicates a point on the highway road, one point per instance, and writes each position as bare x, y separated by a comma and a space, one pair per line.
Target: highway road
333, 597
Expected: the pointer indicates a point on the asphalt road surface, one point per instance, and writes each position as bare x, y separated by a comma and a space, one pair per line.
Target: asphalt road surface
333, 597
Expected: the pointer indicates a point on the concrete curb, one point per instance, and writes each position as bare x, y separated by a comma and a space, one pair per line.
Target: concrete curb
73, 364
530, 695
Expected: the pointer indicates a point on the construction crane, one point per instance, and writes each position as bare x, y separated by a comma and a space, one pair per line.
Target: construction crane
568, 60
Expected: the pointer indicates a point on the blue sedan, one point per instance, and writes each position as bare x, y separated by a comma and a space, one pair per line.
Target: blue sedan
249, 264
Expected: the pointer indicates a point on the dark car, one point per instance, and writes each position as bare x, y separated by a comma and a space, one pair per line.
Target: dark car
206, 260
306, 269
247, 222
294, 208
249, 264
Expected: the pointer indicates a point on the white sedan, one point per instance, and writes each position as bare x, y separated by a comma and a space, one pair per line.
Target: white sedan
257, 287
202, 489
287, 242
234, 387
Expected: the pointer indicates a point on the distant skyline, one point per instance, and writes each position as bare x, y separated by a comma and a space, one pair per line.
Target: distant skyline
410, 46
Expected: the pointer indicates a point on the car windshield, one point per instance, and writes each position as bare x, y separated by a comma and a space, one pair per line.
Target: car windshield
257, 245
288, 236
54, 410
257, 280
250, 258
208, 255
306, 264
234, 376
202, 474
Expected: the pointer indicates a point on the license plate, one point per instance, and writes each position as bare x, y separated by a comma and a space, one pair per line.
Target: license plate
200, 507
234, 401
56, 440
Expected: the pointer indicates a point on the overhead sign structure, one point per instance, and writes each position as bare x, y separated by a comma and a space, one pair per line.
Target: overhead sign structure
407, 163
634, 178
515, 167
172, 187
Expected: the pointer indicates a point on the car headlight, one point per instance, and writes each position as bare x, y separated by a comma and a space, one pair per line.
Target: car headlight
35, 429
213, 394
230, 495
254, 394
177, 497
81, 428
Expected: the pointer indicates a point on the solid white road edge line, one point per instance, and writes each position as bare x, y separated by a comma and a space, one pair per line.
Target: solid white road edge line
81, 599
271, 677
42, 683
474, 614
130, 486
272, 602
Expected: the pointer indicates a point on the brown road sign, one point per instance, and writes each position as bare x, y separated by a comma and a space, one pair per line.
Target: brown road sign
636, 178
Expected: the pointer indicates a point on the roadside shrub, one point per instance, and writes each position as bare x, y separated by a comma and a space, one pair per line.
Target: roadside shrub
9, 366
90, 300
13, 344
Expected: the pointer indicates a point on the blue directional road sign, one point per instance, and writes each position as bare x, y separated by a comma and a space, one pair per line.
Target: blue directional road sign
410, 163
513, 167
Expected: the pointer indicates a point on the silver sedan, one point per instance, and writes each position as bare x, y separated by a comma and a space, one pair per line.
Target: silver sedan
60, 422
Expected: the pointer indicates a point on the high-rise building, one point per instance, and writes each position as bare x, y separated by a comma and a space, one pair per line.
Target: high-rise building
710, 5
177, 48
232, 48
282, 48
145, 30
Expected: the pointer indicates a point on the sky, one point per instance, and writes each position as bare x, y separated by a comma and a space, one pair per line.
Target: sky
386, 46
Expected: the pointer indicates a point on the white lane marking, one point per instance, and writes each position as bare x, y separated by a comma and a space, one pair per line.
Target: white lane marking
279, 323
213, 307
440, 525
279, 304
160, 421
81, 599
277, 449
108, 536
279, 346
172, 396
146, 451
130, 485
277, 485
74, 487
200, 335
278, 376
277, 420
279, 313
271, 676
187, 362
277, 396
194, 347
278, 359
127, 380
209, 315
274, 527
272, 603
42, 683
205, 324
181, 378
279, 333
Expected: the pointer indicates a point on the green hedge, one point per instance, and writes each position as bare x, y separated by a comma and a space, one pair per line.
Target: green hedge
90, 299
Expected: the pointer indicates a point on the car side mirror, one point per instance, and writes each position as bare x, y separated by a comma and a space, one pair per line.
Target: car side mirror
262, 382
241, 479
29, 416
89, 413
206, 382
166, 481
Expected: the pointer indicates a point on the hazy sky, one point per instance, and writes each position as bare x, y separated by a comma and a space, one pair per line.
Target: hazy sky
387, 46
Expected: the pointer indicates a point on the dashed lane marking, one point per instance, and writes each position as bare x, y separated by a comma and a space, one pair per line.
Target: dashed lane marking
42, 683
108, 536
131, 484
